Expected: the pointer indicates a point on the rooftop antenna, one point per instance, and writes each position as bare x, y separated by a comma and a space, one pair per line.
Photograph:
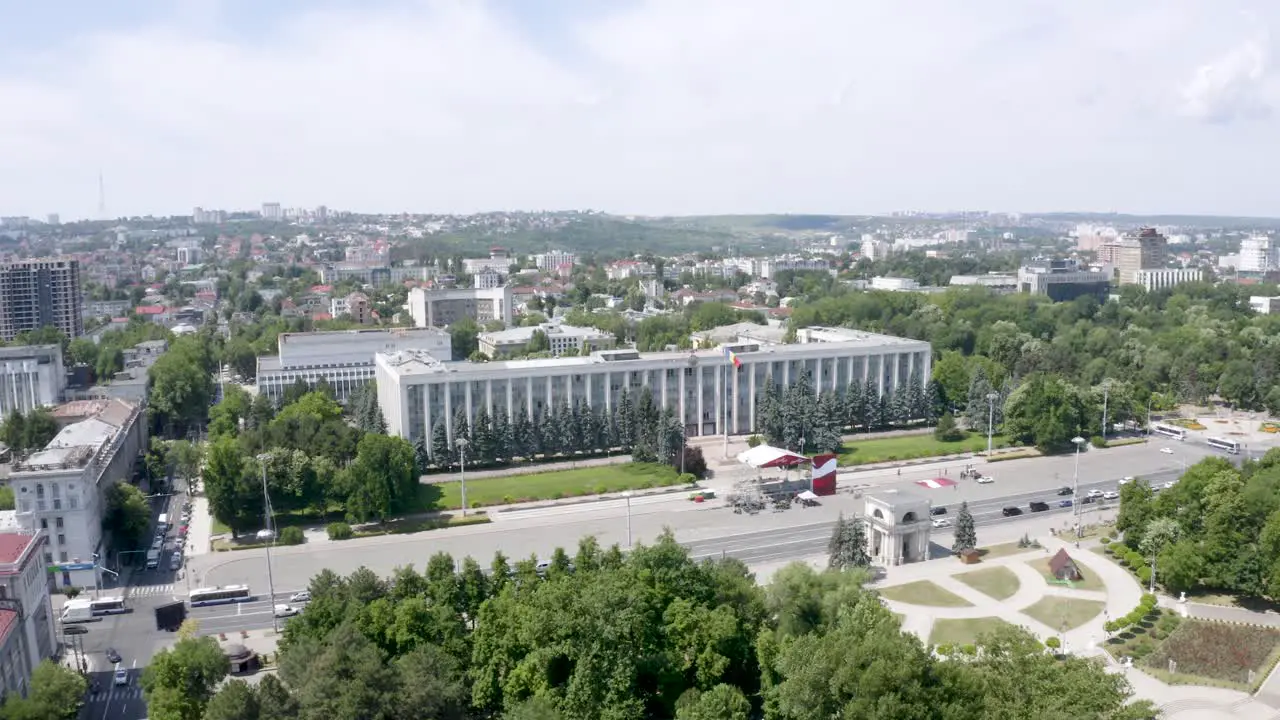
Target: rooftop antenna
102, 197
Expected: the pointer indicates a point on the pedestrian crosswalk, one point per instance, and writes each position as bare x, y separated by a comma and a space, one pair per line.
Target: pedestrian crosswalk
164, 589
116, 693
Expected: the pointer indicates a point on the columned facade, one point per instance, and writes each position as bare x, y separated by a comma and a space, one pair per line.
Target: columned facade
898, 526
703, 388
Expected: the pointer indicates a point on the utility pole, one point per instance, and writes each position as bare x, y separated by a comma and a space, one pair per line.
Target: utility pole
266, 518
1106, 394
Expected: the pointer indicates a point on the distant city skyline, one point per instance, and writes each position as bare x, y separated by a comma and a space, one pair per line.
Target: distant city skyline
648, 107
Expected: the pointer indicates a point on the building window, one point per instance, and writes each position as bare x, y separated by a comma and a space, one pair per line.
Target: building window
62, 556
44, 523
48, 558
62, 539
58, 523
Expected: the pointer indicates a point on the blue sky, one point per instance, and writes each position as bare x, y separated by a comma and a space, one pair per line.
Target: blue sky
639, 106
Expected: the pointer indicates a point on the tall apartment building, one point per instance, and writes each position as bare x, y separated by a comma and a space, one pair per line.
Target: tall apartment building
38, 293
272, 211
1146, 249
1259, 254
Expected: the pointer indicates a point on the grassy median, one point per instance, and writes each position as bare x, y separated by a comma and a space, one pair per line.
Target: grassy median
553, 485
912, 447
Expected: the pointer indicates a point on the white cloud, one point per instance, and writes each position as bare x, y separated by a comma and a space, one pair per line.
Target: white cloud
666, 106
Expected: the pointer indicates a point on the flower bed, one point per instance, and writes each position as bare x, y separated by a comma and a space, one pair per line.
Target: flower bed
1188, 423
1217, 651
1270, 427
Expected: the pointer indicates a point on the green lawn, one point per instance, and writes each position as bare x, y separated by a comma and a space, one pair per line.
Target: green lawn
546, 485
924, 592
995, 582
220, 528
991, 552
1089, 581
1064, 613
910, 447
964, 631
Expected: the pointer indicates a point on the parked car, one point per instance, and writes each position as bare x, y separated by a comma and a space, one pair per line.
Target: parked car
940, 510
1066, 491
301, 597
1095, 493
1127, 480
74, 629
1038, 506
1112, 495
942, 522
1011, 511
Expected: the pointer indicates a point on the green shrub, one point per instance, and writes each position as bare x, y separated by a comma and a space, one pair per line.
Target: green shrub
508, 500
600, 489
754, 440
1053, 643
291, 535
339, 531
1105, 540
686, 479
1097, 441
645, 484
1144, 574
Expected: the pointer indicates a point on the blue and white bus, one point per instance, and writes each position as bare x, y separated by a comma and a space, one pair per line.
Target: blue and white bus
220, 595
1231, 447
1172, 431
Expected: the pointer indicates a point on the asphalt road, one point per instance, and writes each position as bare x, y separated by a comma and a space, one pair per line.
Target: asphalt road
707, 529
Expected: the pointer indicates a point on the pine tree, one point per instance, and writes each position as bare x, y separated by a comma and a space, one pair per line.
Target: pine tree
549, 431
461, 431
916, 401
848, 545
854, 411
768, 412
883, 415
522, 441
1006, 389
440, 455
421, 457
592, 430
977, 409
482, 433
966, 535
828, 422
625, 421
502, 436
933, 402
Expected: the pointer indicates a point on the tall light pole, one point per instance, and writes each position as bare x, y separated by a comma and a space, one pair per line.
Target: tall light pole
627, 495
991, 418
1106, 395
462, 444
1075, 485
271, 540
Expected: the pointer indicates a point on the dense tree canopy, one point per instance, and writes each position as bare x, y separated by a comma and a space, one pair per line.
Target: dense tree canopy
650, 634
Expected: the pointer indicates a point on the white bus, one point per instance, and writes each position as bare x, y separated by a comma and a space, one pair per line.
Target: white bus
76, 611
108, 606
220, 595
1172, 431
163, 523
1231, 447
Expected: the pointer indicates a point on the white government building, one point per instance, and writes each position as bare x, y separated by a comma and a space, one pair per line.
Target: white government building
416, 390
31, 376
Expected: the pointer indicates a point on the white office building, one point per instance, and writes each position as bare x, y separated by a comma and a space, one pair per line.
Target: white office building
31, 376
61, 489
1258, 254
554, 260
560, 339
1164, 278
417, 391
441, 308
343, 358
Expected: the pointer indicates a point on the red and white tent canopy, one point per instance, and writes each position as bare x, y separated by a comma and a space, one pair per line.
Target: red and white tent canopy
767, 456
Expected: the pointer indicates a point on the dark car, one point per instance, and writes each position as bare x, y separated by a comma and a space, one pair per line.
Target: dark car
113, 656
1038, 506
1011, 511
74, 630
1088, 499
1065, 503
1066, 491
938, 511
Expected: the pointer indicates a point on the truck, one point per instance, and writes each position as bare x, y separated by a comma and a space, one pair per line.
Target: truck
169, 617
153, 558
75, 611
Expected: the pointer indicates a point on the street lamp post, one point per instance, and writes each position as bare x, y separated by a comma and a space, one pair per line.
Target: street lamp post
1075, 485
462, 444
991, 418
627, 495
1106, 395
271, 540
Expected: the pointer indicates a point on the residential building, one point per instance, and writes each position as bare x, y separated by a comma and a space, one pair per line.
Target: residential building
1146, 249
497, 262
623, 269
1259, 254
106, 308
31, 376
272, 211
441, 308
365, 273
768, 268
560, 339
61, 489
188, 255
1163, 278
554, 260
874, 249
1063, 280
355, 305
486, 280
894, 284
43, 292
27, 634
343, 358
416, 390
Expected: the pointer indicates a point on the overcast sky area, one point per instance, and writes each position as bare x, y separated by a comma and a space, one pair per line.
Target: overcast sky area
639, 106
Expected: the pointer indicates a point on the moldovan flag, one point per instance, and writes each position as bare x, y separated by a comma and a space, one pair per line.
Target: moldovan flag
733, 358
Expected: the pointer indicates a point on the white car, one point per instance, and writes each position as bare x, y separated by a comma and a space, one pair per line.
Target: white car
1167, 451
942, 522
301, 597
1095, 493
1127, 480
121, 676
1168, 484
986, 480
284, 611
1112, 495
